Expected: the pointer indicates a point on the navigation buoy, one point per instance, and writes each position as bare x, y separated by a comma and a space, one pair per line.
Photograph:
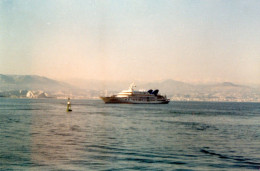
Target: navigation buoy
69, 106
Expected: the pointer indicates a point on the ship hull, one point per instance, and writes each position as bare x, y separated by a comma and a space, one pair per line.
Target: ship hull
131, 101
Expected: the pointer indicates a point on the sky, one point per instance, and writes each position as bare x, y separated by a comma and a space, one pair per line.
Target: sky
197, 41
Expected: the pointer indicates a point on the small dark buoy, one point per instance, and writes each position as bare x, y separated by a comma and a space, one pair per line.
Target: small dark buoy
69, 106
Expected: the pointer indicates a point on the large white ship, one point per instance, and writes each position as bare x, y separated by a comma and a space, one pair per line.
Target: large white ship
132, 96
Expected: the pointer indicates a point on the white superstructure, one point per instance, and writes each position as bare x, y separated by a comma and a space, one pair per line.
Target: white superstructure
137, 97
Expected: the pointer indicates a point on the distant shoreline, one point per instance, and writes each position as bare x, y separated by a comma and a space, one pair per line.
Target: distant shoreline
97, 99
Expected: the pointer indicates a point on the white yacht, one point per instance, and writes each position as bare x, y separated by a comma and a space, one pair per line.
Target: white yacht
132, 96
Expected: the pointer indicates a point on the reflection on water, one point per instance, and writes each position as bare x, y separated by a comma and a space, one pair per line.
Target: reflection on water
40, 134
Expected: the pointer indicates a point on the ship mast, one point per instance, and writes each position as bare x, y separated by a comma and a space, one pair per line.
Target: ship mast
131, 87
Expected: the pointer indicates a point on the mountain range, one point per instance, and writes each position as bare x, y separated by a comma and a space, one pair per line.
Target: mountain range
33, 86
16, 82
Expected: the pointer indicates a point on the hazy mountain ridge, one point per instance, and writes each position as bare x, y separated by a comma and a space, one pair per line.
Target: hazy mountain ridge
225, 91
28, 82
33, 86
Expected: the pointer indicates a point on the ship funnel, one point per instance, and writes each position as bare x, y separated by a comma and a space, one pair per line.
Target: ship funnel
150, 91
155, 92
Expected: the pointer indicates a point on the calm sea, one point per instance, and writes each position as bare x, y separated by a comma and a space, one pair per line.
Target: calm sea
38, 134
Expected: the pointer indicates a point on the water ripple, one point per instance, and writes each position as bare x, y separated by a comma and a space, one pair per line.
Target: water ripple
41, 135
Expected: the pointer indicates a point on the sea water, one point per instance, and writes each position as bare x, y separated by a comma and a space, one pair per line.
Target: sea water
38, 134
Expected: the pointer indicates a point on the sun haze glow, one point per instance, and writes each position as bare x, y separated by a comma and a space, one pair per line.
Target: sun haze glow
193, 41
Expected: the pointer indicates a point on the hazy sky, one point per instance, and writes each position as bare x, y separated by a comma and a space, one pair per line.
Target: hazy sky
185, 40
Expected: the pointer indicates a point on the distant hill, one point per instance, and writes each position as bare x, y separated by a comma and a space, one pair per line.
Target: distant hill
31, 82
229, 84
176, 90
33, 86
